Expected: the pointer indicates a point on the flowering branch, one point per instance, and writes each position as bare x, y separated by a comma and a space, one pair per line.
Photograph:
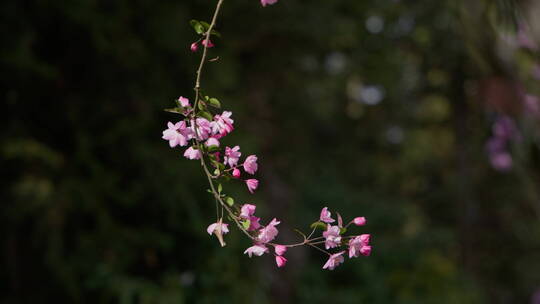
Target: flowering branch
202, 132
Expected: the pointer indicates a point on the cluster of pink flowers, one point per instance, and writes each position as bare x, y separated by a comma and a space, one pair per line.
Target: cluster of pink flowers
185, 132
264, 235
201, 132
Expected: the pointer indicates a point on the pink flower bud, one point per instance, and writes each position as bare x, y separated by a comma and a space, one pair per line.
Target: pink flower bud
207, 43
365, 250
184, 102
194, 47
236, 173
280, 261
364, 238
280, 249
212, 142
359, 221
252, 184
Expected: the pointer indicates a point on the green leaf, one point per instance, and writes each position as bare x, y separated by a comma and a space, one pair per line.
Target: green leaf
216, 172
213, 148
246, 224
198, 26
201, 105
230, 201
205, 114
215, 33
342, 230
219, 188
318, 224
214, 102
174, 110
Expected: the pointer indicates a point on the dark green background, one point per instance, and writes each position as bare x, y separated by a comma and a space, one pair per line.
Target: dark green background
96, 208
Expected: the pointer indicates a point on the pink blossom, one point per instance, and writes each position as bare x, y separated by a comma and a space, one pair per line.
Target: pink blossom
184, 102
334, 260
326, 216
203, 128
280, 249
365, 238
268, 233
212, 142
267, 2
332, 237
232, 155
254, 223
257, 250
252, 184
218, 228
358, 245
207, 43
222, 124
280, 261
247, 210
194, 47
192, 153
250, 164
236, 173
359, 221
177, 134
365, 250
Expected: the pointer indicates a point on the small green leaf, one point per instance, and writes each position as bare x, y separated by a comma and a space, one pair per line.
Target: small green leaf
214, 102
198, 27
213, 148
219, 188
201, 105
342, 230
205, 114
215, 33
318, 224
216, 172
230, 201
174, 110
209, 191
246, 224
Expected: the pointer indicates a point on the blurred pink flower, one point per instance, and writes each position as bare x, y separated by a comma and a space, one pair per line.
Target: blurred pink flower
280, 249
222, 124
365, 250
177, 134
247, 210
203, 128
332, 237
358, 245
212, 142
194, 47
252, 184
326, 216
218, 227
232, 155
280, 261
192, 153
207, 43
268, 233
250, 164
334, 260
359, 221
257, 250
236, 173
184, 102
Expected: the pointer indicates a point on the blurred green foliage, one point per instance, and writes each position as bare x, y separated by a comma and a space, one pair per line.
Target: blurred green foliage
368, 107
